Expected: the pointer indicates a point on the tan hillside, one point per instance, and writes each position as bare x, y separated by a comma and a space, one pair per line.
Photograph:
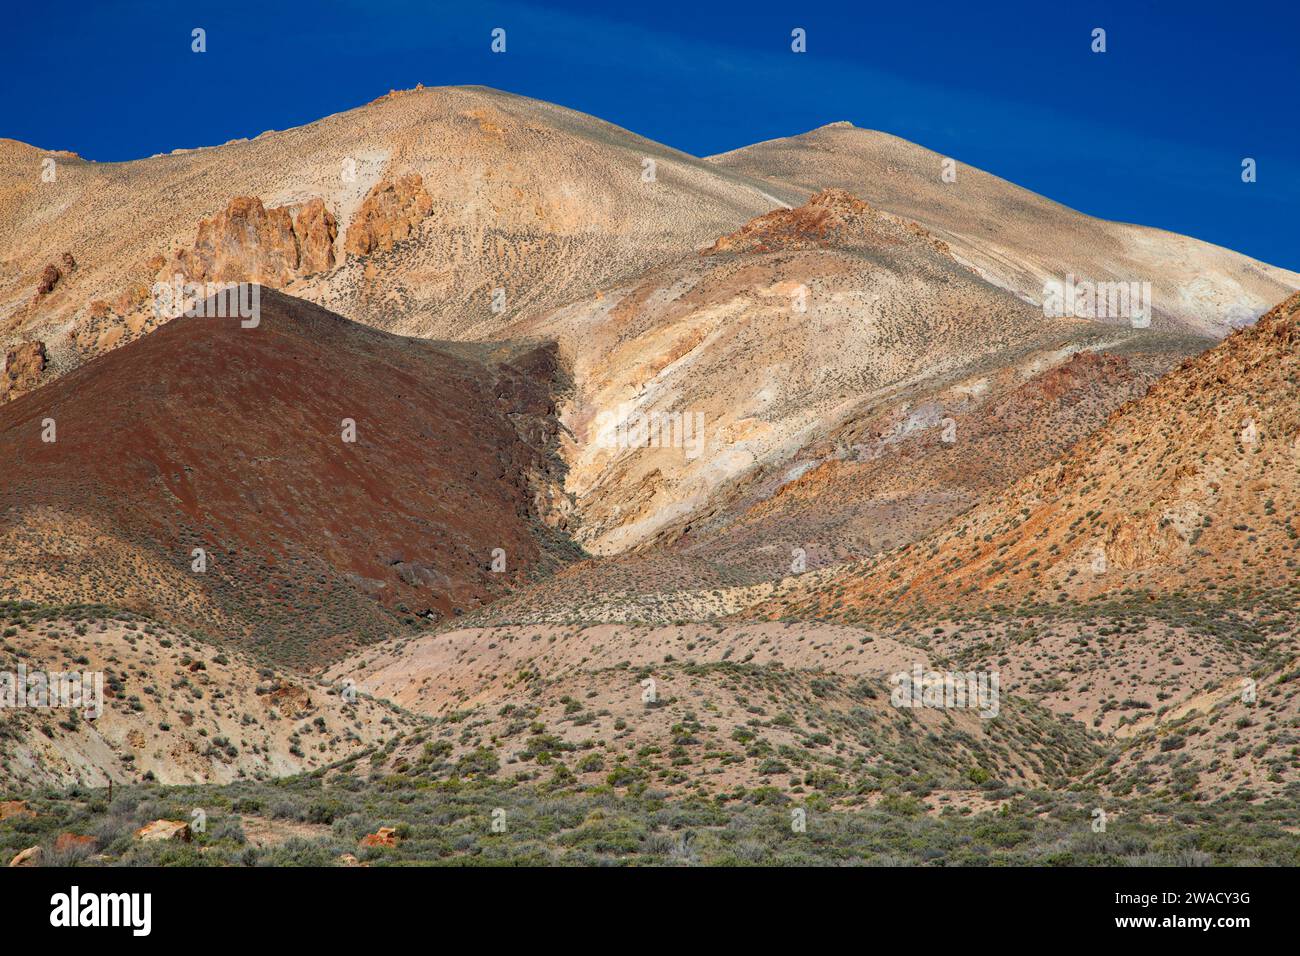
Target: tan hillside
406, 214
174, 710
1219, 744
799, 351
927, 453
1016, 238
703, 709
451, 212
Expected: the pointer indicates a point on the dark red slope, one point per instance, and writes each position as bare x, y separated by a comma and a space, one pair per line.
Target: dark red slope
207, 434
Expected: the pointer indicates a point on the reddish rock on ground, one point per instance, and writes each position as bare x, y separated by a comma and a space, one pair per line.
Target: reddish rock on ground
384, 836
69, 841
16, 809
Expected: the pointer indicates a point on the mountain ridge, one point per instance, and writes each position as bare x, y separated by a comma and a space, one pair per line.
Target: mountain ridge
530, 207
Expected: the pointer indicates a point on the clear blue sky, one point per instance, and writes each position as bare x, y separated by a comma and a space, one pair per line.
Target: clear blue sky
1152, 131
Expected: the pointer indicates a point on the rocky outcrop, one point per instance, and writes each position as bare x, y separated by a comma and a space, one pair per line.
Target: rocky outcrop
315, 229
244, 242
288, 699
393, 94
819, 223
131, 298
247, 242
16, 810
162, 830
392, 211
24, 364
50, 277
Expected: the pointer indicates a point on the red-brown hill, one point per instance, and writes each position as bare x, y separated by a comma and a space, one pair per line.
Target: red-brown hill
210, 435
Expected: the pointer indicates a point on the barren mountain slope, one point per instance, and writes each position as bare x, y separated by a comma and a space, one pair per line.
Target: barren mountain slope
1195, 485
339, 480
927, 453
881, 480
809, 344
406, 213
1016, 238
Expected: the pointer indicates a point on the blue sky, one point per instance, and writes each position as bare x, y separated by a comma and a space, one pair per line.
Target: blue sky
1152, 131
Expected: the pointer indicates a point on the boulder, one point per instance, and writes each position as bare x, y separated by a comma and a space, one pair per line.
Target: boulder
384, 836
160, 830
50, 277
29, 857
